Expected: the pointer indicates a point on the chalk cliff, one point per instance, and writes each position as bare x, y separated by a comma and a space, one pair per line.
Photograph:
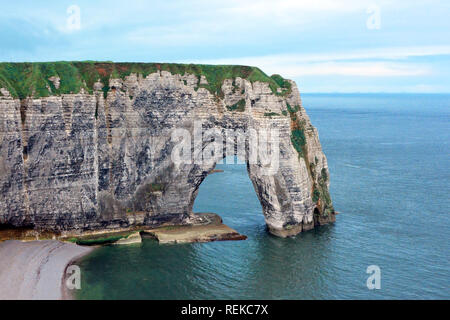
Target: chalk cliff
88, 146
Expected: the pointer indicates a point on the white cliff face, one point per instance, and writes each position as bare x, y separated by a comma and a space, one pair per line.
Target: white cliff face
83, 162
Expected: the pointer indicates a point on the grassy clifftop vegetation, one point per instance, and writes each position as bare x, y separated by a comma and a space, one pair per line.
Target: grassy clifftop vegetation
33, 79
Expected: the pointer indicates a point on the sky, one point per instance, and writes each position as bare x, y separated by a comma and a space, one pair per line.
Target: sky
324, 45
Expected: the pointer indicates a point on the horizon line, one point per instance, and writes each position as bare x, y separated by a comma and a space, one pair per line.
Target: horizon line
377, 92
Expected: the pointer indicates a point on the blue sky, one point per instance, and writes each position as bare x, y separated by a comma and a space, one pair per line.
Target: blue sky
324, 45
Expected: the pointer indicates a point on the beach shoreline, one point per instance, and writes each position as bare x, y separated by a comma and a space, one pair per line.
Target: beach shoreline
36, 270
66, 293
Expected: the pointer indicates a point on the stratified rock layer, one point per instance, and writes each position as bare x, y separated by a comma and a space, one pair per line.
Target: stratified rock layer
102, 160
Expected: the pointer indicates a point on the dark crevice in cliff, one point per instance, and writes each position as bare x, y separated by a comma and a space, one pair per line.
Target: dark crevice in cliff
24, 225
24, 139
108, 122
25, 152
23, 111
67, 116
96, 108
23, 117
106, 117
316, 216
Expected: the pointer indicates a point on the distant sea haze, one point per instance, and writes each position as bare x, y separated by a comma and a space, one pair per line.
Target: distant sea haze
388, 156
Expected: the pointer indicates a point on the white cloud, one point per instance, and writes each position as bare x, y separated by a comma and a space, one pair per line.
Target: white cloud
240, 14
168, 35
259, 8
377, 62
425, 88
389, 53
364, 69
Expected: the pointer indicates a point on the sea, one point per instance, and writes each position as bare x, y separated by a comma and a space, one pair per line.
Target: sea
388, 156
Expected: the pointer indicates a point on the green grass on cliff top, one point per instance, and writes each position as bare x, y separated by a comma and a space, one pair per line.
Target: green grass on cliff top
32, 79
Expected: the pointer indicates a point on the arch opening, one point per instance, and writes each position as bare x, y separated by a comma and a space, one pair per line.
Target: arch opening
228, 191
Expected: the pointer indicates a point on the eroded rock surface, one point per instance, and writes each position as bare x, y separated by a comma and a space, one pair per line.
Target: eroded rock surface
91, 161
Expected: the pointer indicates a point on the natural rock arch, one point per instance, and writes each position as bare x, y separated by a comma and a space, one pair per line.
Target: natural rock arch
107, 162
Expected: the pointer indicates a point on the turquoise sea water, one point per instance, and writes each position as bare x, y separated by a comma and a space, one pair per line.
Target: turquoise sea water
389, 165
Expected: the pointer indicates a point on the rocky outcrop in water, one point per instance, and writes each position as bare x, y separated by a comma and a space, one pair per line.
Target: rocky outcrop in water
100, 156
